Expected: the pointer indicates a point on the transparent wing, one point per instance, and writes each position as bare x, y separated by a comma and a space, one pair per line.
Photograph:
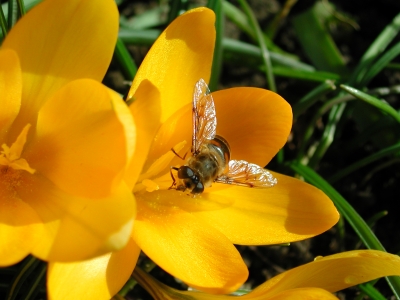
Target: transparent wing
243, 173
204, 118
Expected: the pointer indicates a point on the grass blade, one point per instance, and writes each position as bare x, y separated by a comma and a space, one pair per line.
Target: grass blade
260, 39
381, 105
395, 149
124, 58
217, 7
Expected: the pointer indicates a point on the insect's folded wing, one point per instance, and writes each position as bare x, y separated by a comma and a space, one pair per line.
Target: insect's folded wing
243, 173
204, 116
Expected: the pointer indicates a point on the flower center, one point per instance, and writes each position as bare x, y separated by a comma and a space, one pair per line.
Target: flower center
10, 157
157, 175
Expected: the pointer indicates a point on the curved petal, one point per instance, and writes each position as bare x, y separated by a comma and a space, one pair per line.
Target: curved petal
77, 228
290, 211
11, 89
301, 294
186, 248
99, 278
19, 227
53, 50
181, 55
255, 122
146, 111
81, 141
334, 272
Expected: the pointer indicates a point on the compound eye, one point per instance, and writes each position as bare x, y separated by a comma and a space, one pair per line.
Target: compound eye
198, 189
185, 172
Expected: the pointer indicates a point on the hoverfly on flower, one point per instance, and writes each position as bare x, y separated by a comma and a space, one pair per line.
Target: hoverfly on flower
210, 160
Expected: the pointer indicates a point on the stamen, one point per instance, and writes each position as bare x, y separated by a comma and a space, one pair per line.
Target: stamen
161, 163
150, 185
11, 156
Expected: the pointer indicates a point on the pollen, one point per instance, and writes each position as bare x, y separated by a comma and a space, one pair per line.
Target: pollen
10, 157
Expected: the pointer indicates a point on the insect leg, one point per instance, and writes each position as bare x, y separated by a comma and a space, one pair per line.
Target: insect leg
172, 176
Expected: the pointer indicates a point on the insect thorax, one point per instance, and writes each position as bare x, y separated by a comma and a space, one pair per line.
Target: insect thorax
211, 160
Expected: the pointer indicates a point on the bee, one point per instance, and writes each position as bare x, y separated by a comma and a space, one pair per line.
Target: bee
210, 160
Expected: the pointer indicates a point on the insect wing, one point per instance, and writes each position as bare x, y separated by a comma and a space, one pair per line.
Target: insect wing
204, 117
243, 173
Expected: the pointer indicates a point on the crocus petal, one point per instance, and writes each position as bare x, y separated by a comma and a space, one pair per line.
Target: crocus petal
77, 228
99, 278
299, 294
290, 211
57, 45
19, 225
186, 248
334, 272
84, 150
255, 123
181, 55
11, 88
146, 111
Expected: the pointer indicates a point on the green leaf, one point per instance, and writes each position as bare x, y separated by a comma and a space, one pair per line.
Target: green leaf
125, 60
217, 7
313, 96
148, 19
374, 50
392, 150
381, 105
381, 63
372, 292
315, 39
260, 39
139, 37
246, 50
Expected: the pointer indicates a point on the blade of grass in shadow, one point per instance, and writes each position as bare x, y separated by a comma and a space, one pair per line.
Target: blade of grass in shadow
278, 19
148, 19
175, 10
376, 48
249, 50
125, 60
381, 105
217, 7
240, 19
328, 135
348, 212
28, 5
392, 150
3, 22
304, 75
12, 14
380, 64
139, 37
372, 292
238, 52
260, 39
310, 27
21, 8
312, 97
